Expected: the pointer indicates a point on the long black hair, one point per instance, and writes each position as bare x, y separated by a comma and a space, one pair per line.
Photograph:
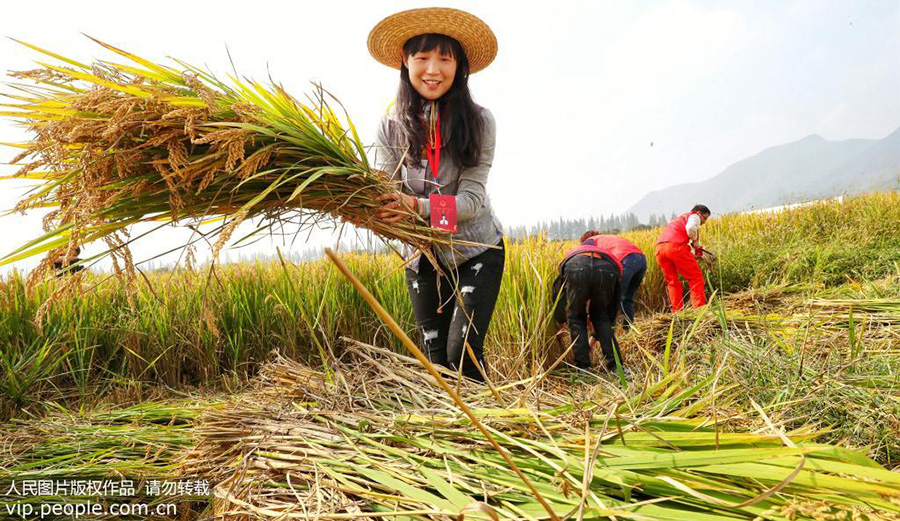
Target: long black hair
461, 121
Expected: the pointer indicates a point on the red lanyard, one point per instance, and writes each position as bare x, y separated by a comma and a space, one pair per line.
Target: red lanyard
433, 151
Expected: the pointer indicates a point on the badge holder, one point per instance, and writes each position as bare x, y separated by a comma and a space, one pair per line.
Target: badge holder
443, 212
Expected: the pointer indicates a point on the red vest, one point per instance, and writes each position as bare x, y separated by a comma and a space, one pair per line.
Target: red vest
676, 231
589, 246
618, 247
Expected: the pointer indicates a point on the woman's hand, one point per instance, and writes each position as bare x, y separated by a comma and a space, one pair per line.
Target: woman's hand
397, 206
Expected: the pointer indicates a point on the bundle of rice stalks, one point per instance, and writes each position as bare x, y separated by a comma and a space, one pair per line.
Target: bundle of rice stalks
120, 144
373, 437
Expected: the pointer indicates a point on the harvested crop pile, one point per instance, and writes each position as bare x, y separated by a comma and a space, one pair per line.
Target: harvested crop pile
138, 444
782, 314
373, 436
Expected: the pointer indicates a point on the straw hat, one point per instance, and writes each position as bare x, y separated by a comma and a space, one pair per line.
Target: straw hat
388, 36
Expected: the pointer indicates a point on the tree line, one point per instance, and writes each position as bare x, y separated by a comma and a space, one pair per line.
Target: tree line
567, 229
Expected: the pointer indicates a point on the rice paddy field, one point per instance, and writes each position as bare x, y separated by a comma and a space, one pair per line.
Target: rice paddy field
278, 384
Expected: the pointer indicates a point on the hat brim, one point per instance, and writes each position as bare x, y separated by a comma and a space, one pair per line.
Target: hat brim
387, 38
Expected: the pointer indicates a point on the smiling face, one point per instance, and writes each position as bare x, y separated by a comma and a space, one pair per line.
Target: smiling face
431, 72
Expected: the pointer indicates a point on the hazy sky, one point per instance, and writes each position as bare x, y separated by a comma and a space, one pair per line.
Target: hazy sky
596, 102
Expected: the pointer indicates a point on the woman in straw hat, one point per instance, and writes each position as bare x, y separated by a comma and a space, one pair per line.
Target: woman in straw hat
439, 144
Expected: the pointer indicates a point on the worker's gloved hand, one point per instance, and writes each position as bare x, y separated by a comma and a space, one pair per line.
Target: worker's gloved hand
698, 252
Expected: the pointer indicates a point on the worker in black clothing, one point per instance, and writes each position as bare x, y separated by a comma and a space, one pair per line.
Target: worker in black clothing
588, 290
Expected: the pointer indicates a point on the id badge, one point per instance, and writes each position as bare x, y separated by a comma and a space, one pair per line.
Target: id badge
443, 212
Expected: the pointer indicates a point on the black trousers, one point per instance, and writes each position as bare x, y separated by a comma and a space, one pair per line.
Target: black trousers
456, 308
634, 267
592, 293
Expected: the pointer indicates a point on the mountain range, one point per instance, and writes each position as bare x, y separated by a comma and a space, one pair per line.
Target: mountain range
808, 169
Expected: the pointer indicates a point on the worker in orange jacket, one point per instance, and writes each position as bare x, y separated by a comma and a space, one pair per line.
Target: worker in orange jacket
674, 256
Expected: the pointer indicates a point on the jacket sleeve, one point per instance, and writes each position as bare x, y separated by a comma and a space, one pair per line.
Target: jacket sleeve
387, 158
472, 187
692, 227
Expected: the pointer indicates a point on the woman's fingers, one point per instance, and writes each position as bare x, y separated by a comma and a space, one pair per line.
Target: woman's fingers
397, 198
397, 206
389, 208
394, 219
393, 209
392, 214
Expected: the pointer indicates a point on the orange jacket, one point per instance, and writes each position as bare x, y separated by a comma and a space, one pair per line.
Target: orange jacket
676, 231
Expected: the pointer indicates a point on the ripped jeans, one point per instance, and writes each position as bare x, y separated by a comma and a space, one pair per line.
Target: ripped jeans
456, 308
